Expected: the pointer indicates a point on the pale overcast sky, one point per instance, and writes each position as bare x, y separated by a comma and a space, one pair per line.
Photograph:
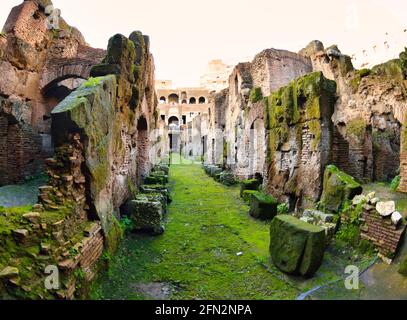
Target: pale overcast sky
186, 34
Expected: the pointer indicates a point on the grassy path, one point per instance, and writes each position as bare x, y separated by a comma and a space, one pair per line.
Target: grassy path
211, 249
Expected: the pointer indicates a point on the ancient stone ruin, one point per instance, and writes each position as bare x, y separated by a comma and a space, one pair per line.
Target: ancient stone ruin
301, 135
87, 116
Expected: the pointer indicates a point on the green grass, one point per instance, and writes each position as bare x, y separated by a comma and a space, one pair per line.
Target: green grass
208, 224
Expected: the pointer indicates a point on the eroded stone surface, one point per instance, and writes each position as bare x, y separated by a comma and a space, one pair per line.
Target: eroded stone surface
296, 247
385, 209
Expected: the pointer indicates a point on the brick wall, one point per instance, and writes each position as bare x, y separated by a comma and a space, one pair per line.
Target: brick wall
381, 232
20, 152
90, 249
403, 161
403, 172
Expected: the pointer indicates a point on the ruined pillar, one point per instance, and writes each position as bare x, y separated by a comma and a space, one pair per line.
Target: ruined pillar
299, 139
403, 158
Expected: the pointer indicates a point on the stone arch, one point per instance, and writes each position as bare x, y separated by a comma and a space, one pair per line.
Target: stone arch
53, 93
163, 100
59, 71
173, 98
192, 100
257, 147
202, 100
142, 158
173, 120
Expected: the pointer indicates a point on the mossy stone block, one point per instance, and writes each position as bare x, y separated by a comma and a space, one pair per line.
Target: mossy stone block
296, 247
156, 179
247, 194
263, 206
154, 189
338, 188
227, 178
214, 171
162, 167
104, 69
251, 184
146, 215
403, 267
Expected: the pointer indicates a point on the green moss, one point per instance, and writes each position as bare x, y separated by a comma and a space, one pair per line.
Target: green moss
114, 235
392, 69
251, 184
247, 195
208, 223
315, 129
347, 179
403, 62
403, 267
339, 187
395, 183
357, 78
78, 98
282, 208
256, 95
92, 82
357, 129
349, 231
100, 174
296, 247
133, 189
297, 104
263, 206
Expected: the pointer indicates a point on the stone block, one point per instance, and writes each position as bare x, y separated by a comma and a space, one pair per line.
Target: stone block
227, 178
296, 247
338, 188
101, 70
146, 215
247, 195
263, 206
157, 177
251, 184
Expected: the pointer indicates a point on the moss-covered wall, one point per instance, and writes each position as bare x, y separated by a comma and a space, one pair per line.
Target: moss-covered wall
298, 120
106, 111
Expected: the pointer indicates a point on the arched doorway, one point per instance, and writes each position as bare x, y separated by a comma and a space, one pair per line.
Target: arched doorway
257, 149
174, 134
53, 93
173, 99
173, 121
142, 159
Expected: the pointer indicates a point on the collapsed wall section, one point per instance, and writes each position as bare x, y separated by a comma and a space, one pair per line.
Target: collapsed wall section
114, 115
368, 113
39, 67
299, 138
244, 136
102, 153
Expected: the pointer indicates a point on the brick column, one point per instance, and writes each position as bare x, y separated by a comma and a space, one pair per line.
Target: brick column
403, 159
